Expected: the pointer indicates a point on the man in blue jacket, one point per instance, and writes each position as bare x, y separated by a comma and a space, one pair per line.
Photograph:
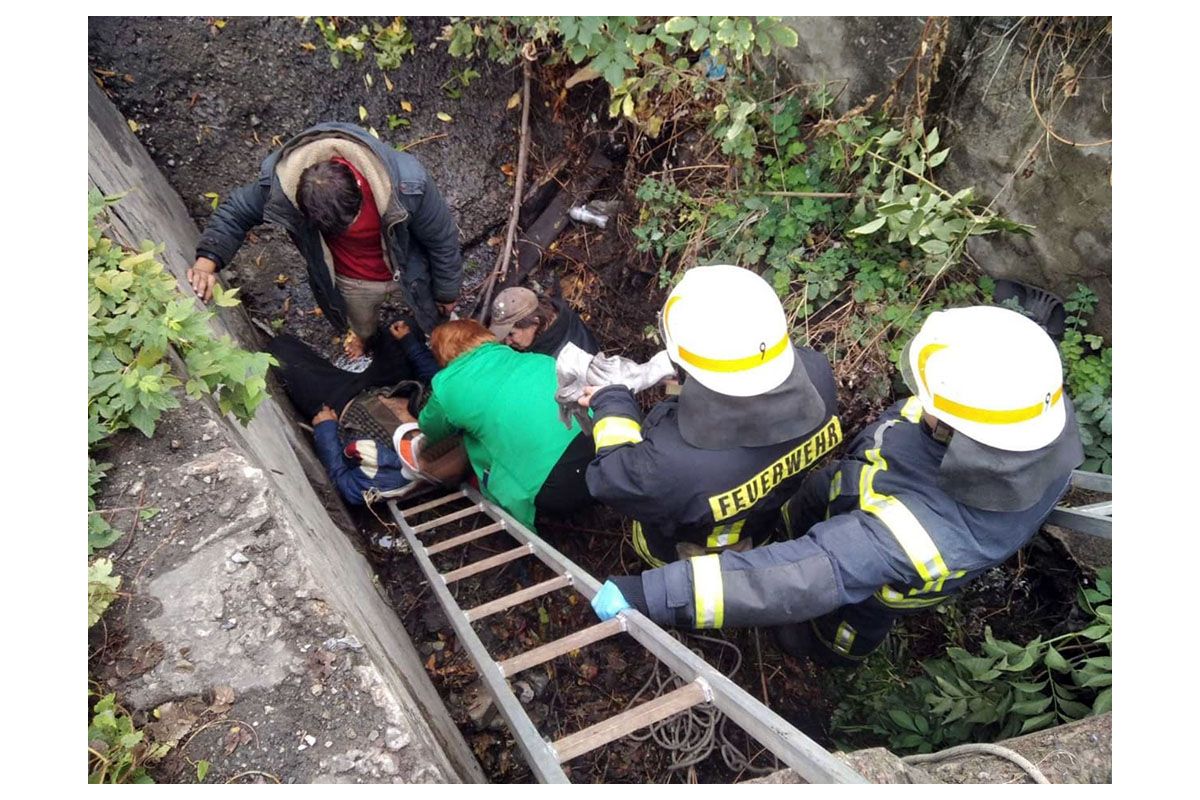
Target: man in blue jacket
947, 484
367, 219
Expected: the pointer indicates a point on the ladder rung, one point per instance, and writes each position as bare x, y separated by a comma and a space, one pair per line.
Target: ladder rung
487, 563
629, 721
551, 650
433, 503
516, 598
440, 521
450, 544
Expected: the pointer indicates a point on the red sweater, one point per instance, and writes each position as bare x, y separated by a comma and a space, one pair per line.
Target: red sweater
358, 251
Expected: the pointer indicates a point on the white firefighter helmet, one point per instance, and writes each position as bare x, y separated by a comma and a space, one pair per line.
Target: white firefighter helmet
990, 373
724, 326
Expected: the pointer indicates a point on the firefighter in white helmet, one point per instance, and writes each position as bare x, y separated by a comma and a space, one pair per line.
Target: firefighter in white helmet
709, 470
945, 485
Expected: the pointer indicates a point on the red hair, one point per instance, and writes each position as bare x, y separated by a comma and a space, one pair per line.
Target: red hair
451, 339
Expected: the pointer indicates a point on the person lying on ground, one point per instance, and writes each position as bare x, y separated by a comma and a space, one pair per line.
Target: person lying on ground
362, 468
312, 382
944, 486
367, 219
525, 322
502, 403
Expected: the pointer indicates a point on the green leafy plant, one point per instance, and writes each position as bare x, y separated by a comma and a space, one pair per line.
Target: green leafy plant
643, 59
899, 195
100, 532
1005, 690
1087, 364
102, 589
117, 751
459, 80
135, 314
390, 43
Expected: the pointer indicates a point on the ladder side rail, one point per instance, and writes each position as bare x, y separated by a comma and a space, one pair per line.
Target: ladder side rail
1091, 524
795, 749
1091, 481
542, 759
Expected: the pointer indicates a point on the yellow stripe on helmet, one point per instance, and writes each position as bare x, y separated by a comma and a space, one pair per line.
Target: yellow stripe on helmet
989, 416
734, 364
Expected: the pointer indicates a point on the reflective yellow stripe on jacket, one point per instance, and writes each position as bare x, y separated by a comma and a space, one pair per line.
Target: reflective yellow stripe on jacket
709, 591
612, 431
912, 537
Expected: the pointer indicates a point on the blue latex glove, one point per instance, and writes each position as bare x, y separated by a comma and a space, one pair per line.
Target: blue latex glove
609, 601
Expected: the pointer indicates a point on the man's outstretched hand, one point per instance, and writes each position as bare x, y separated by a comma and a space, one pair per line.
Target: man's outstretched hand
203, 276
399, 329
326, 414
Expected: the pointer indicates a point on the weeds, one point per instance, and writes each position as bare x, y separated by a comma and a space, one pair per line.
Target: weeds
1006, 690
117, 751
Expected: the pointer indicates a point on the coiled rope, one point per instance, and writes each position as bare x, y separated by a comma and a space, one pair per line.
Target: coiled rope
691, 737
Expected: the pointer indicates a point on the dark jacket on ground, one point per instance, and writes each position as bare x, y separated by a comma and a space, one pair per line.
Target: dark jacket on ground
567, 327
420, 237
311, 382
681, 493
893, 537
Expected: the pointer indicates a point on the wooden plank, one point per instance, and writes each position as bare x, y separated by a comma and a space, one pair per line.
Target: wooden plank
559, 647
487, 563
451, 517
450, 544
536, 240
629, 721
407, 512
516, 598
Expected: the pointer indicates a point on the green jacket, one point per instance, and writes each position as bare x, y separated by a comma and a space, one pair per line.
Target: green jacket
503, 403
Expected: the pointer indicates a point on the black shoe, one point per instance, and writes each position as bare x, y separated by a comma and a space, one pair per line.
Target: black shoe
1039, 305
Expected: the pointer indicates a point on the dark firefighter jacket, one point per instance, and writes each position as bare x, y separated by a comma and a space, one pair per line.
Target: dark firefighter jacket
567, 327
681, 493
420, 238
891, 533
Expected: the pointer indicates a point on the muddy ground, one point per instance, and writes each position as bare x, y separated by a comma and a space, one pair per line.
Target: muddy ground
209, 103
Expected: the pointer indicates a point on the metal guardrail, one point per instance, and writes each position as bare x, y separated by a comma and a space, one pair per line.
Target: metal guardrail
703, 683
1094, 519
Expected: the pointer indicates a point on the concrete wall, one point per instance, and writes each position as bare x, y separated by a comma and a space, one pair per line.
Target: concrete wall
262, 461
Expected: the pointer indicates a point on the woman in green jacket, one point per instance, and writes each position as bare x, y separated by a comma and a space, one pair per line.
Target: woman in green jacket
502, 402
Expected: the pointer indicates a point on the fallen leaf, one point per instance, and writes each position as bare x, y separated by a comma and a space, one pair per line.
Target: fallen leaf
316, 312
373, 132
388, 82
281, 279
214, 199
362, 113
582, 75
508, 169
309, 46
406, 106
444, 117
174, 719
588, 671
514, 101
223, 697
368, 80
429, 665
133, 126
495, 241
219, 24
235, 738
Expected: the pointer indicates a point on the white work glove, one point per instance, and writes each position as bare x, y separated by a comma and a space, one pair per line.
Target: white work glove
610, 370
571, 367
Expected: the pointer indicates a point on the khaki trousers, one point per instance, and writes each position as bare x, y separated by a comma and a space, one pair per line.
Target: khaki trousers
363, 301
